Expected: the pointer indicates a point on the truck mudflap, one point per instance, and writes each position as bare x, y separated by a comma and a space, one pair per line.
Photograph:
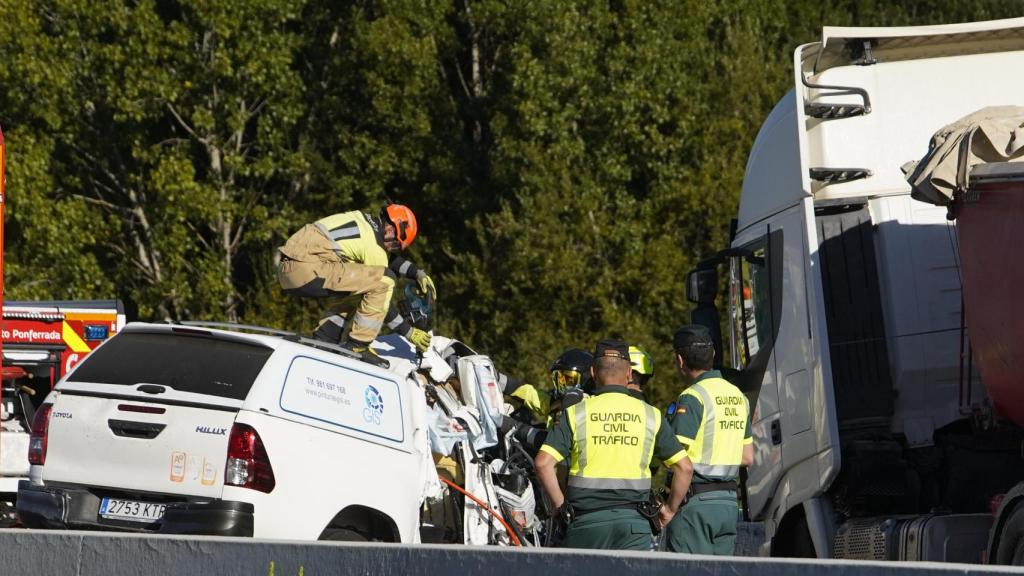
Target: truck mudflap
751, 540
76, 508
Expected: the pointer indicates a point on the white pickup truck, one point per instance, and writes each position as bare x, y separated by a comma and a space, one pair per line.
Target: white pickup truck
194, 430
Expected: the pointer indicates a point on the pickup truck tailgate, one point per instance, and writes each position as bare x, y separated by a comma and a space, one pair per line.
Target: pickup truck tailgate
139, 446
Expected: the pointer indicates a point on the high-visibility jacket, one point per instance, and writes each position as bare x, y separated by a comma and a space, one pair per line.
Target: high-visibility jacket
609, 440
356, 237
359, 237
538, 403
614, 442
712, 418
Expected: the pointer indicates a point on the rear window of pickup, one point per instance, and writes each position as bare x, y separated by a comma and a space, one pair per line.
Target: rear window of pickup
196, 363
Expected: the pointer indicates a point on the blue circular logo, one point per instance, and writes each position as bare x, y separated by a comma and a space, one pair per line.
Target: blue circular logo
373, 399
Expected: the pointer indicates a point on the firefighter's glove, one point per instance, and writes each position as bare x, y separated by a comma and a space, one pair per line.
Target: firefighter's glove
507, 425
420, 339
531, 438
426, 284
572, 396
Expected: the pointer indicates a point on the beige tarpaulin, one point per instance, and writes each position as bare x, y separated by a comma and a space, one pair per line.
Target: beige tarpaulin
994, 134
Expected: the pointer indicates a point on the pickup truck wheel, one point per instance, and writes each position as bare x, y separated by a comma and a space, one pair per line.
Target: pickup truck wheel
343, 535
1010, 550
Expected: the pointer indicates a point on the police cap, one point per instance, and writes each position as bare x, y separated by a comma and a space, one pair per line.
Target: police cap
691, 335
613, 348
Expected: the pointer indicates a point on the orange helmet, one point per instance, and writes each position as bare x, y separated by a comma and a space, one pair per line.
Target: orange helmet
405, 223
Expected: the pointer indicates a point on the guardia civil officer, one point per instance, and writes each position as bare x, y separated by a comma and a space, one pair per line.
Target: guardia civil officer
610, 439
712, 419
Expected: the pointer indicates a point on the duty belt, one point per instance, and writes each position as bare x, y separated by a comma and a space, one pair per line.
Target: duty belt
729, 486
647, 508
616, 506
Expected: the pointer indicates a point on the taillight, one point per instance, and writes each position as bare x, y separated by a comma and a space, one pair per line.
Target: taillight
247, 465
37, 440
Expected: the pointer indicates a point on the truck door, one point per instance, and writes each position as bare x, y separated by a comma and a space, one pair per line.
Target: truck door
773, 349
797, 359
778, 354
751, 324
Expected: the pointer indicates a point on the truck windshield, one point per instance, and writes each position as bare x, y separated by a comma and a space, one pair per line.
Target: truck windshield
185, 362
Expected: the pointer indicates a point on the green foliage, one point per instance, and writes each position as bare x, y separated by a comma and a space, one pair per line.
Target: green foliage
569, 160
154, 134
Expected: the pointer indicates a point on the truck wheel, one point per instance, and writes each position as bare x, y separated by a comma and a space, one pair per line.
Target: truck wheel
1010, 550
795, 541
343, 535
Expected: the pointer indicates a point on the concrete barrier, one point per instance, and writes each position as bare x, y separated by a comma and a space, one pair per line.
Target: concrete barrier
44, 553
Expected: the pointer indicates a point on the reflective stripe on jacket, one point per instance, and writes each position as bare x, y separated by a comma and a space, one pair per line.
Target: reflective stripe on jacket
613, 444
717, 451
355, 237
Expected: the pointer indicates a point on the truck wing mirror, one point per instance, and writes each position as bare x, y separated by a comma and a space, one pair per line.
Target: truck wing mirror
702, 285
702, 282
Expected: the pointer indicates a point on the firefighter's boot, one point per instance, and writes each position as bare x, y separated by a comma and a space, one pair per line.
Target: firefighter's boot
365, 353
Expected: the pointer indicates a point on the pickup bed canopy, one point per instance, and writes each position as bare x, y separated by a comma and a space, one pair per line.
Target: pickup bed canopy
993, 134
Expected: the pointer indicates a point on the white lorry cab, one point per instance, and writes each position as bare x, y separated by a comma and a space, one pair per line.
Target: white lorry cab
189, 429
843, 306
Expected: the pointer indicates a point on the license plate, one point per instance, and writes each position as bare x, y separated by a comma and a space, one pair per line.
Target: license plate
131, 510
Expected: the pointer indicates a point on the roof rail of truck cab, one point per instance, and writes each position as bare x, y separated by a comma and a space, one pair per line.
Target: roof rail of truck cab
842, 46
283, 334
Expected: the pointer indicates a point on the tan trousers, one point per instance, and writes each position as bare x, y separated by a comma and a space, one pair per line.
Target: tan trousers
311, 268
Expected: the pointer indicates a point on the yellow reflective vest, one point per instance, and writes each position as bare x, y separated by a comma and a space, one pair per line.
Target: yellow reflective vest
716, 449
354, 237
613, 444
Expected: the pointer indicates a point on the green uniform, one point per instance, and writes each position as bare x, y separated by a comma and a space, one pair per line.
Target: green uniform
609, 440
712, 418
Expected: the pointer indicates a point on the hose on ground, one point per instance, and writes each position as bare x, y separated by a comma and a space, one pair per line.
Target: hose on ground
508, 529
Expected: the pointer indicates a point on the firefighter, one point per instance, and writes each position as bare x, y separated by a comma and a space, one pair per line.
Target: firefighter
570, 375
609, 439
712, 419
535, 411
642, 368
350, 259
530, 405
571, 379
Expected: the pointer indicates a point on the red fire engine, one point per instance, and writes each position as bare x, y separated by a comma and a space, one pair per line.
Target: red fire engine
39, 343
48, 338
